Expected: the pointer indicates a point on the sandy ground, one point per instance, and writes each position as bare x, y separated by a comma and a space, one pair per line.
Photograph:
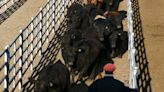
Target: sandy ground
9, 29
122, 64
152, 15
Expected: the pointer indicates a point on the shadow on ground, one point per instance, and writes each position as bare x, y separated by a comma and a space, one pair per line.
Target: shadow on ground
6, 14
144, 79
49, 56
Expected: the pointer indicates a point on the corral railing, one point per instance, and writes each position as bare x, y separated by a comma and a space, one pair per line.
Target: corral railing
132, 49
143, 78
20, 57
4, 4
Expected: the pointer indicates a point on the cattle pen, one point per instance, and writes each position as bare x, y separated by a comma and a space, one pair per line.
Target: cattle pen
38, 44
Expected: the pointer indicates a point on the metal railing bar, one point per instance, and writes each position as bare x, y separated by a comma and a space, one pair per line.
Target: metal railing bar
44, 24
16, 85
15, 52
29, 46
47, 11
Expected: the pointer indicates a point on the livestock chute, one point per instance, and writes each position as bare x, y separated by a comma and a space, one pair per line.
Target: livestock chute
38, 44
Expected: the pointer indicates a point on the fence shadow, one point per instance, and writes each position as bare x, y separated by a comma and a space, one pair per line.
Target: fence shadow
6, 14
49, 56
144, 79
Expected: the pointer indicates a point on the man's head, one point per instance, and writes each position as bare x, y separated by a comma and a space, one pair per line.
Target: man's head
109, 68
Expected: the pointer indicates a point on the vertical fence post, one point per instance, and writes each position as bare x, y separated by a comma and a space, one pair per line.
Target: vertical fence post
47, 22
36, 31
58, 12
5, 5
62, 10
6, 69
14, 69
12, 2
40, 33
53, 16
32, 48
65, 6
27, 37
20, 60
55, 12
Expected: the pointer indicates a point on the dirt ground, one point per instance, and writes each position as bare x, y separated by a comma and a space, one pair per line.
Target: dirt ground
152, 17
9, 29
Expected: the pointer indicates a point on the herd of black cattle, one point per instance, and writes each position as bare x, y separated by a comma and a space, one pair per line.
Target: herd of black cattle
95, 36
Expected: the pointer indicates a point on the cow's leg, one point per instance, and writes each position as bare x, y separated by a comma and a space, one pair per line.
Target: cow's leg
83, 71
113, 40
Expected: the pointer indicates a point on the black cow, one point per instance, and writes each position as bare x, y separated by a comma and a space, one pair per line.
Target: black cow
103, 27
77, 16
53, 78
69, 38
70, 46
88, 39
122, 44
109, 30
87, 55
73, 35
93, 11
117, 17
117, 26
110, 5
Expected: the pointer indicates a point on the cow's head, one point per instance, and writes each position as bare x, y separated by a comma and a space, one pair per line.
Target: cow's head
73, 54
75, 15
45, 86
103, 27
70, 37
117, 18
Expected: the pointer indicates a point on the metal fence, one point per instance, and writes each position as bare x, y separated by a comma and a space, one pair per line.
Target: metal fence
143, 78
21, 56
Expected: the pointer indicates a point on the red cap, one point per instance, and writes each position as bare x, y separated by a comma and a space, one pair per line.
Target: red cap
109, 67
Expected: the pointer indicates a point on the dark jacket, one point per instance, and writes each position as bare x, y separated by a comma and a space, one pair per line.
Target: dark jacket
108, 84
